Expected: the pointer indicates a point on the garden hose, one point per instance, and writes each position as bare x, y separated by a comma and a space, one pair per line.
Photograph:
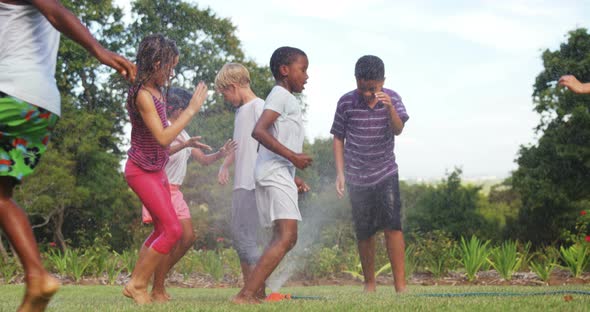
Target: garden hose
507, 294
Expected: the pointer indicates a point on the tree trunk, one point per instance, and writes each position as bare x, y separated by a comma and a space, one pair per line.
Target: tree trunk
59, 222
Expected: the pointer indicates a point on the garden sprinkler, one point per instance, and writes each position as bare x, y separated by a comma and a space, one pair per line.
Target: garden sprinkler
275, 296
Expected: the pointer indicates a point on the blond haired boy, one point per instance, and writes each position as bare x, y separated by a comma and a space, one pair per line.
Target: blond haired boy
233, 82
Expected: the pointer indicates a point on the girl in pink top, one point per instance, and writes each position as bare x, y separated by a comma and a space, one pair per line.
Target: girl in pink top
181, 150
151, 136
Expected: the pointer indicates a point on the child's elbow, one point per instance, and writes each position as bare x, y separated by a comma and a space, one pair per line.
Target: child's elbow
162, 142
256, 133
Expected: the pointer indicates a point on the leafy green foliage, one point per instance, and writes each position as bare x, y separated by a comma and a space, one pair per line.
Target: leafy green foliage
506, 259
436, 251
544, 264
474, 255
9, 269
552, 175
576, 258
450, 207
212, 263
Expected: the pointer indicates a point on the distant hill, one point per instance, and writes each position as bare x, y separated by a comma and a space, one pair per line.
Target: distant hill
486, 182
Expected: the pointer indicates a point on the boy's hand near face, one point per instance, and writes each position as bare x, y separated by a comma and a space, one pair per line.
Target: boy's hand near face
384, 98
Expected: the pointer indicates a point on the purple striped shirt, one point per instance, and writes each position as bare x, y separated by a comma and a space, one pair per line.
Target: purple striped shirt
145, 151
368, 137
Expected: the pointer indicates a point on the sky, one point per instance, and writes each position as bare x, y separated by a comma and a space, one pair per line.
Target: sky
464, 69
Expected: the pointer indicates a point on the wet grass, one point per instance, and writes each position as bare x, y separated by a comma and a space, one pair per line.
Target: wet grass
335, 298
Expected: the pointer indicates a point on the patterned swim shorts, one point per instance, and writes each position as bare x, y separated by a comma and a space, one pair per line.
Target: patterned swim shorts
376, 207
25, 130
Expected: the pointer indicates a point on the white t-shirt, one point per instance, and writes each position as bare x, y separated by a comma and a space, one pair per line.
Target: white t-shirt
28, 54
287, 129
245, 156
177, 164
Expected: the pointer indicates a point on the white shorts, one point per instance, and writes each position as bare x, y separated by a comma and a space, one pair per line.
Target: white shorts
276, 198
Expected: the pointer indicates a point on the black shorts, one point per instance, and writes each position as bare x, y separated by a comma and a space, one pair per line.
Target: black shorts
376, 207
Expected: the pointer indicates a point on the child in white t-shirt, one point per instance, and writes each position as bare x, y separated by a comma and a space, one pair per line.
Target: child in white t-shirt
233, 82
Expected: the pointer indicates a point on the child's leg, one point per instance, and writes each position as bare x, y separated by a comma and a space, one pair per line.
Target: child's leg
363, 201
394, 241
366, 249
284, 238
152, 189
394, 237
244, 228
186, 242
14, 222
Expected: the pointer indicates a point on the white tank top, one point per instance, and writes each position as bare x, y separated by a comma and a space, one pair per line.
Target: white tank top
28, 54
177, 164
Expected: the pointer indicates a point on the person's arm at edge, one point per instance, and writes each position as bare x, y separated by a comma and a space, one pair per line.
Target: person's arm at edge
67, 23
572, 83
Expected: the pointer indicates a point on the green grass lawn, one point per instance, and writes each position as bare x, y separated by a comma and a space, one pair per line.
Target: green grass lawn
337, 298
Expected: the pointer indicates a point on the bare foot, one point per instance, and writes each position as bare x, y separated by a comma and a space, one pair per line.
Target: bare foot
159, 296
39, 290
261, 294
140, 296
239, 299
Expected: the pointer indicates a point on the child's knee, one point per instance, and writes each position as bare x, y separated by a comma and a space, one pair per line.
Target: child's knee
173, 233
189, 238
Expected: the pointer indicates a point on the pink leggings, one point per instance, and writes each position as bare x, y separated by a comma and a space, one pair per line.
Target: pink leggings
152, 189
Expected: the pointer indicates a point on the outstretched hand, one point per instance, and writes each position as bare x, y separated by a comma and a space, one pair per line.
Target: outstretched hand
195, 142
229, 147
199, 96
118, 63
572, 83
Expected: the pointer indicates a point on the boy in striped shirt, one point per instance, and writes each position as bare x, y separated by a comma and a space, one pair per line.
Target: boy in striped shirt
365, 125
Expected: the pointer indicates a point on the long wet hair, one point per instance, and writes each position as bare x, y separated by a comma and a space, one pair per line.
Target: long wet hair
152, 49
283, 56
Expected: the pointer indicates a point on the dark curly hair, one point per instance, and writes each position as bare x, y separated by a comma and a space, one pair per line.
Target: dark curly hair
176, 99
283, 56
153, 48
369, 67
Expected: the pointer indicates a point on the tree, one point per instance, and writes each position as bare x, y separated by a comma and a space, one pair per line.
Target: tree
450, 207
552, 175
